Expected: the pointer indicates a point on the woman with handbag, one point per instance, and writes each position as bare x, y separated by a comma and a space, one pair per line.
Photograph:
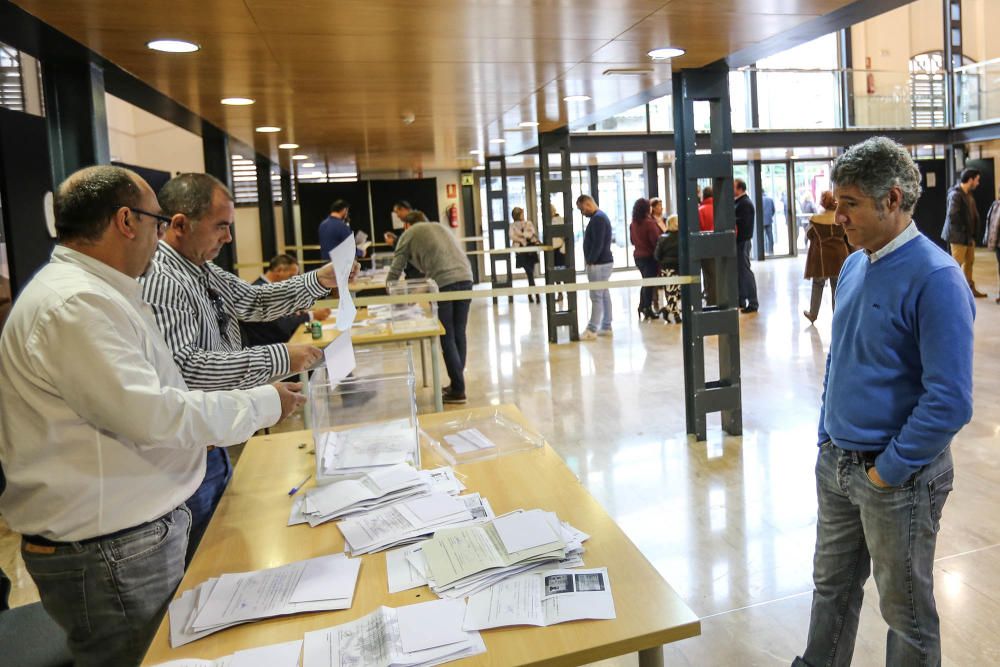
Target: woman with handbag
523, 234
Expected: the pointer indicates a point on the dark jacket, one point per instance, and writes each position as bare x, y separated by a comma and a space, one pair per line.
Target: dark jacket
744, 219
273, 332
667, 252
962, 219
332, 233
597, 240
645, 234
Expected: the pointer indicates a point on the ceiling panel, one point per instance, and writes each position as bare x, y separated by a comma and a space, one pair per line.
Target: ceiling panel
339, 76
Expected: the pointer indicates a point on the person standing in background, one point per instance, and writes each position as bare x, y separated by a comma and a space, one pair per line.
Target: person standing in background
644, 233
522, 235
769, 212
599, 263
656, 210
706, 223
744, 237
558, 246
281, 267
990, 239
827, 251
961, 224
334, 229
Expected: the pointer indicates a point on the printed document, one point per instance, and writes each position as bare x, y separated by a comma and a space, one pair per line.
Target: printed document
274, 655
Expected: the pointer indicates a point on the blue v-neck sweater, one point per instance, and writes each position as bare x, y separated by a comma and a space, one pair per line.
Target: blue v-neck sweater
899, 371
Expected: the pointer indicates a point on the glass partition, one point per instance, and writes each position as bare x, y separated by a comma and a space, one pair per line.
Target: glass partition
977, 101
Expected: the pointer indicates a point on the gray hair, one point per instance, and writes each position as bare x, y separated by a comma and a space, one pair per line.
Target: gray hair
191, 195
877, 165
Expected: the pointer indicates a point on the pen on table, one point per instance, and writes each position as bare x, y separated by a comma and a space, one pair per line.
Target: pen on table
295, 489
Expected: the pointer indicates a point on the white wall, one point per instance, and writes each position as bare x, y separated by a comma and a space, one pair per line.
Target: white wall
979, 19
248, 249
142, 139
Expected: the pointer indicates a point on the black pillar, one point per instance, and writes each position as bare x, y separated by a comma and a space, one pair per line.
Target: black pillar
496, 168
592, 173
554, 147
469, 216
287, 208
218, 163
265, 206
755, 182
649, 170
76, 115
952, 55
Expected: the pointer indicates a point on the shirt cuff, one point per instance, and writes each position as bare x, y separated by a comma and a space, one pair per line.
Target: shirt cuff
313, 286
267, 403
280, 361
891, 467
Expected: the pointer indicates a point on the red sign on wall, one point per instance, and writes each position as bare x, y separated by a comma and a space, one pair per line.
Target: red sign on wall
452, 190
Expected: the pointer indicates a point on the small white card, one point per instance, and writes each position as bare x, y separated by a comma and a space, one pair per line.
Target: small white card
524, 530
431, 624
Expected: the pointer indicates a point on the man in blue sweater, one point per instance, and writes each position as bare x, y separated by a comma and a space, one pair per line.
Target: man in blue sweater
898, 388
599, 262
334, 229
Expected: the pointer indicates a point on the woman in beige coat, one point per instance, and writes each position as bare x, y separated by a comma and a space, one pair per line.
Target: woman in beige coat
827, 251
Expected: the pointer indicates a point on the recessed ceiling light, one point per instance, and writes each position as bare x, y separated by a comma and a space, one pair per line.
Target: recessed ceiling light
476, 151
288, 146
173, 46
300, 157
498, 141
929, 146
576, 98
666, 53
237, 101
308, 165
528, 123
268, 128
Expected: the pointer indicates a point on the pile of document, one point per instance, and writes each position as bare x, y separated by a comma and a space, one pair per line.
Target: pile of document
317, 584
423, 634
352, 452
275, 655
462, 561
542, 598
411, 520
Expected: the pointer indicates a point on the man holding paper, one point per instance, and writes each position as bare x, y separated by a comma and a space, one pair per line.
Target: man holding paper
198, 307
101, 440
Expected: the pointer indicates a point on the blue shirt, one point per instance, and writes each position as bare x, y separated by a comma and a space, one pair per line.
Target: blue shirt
332, 233
597, 240
899, 372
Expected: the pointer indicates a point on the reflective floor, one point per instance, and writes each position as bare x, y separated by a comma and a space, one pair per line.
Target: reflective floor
730, 522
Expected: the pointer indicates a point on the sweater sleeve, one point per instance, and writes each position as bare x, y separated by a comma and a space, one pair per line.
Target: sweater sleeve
822, 435
944, 320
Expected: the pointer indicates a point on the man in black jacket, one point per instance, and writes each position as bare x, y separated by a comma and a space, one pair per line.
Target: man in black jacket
744, 235
961, 224
281, 267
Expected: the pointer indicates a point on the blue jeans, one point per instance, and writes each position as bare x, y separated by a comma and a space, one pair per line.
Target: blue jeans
218, 472
109, 594
895, 529
454, 316
600, 300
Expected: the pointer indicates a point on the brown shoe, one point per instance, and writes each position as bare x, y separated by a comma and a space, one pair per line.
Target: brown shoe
979, 295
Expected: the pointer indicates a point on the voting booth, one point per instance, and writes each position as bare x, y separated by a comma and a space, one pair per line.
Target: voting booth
368, 419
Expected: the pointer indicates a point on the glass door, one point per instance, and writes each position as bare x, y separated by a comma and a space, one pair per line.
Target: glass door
612, 200
811, 180
779, 234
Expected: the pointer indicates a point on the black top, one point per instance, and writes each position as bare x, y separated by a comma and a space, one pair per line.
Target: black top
744, 218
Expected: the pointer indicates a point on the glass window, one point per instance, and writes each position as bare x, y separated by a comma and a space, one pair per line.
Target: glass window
633, 120
20, 81
774, 179
661, 114
789, 98
811, 180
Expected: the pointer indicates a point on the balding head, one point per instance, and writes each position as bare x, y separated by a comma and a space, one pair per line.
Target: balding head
87, 200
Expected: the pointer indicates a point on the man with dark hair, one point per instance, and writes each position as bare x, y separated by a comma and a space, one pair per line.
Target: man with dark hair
599, 263
334, 229
101, 439
433, 250
961, 224
199, 306
281, 267
744, 236
898, 387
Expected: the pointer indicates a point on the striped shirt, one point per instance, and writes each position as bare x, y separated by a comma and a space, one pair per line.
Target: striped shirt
198, 309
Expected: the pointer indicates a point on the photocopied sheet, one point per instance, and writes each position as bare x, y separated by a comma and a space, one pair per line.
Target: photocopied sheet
542, 598
343, 261
274, 655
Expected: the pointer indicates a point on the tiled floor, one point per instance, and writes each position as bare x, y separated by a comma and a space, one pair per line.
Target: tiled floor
730, 522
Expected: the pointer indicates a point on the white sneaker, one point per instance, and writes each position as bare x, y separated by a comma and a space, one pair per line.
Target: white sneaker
606, 333
588, 335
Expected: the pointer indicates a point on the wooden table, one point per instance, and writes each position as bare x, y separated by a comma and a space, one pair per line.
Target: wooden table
249, 532
369, 336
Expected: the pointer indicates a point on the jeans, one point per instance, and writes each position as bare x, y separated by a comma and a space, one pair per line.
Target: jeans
109, 594
454, 316
202, 504
648, 268
600, 300
816, 298
747, 282
896, 529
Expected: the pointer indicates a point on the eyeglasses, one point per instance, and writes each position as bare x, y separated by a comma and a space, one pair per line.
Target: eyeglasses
220, 312
162, 221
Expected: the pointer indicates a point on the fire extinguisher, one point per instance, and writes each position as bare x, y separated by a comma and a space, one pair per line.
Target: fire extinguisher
452, 215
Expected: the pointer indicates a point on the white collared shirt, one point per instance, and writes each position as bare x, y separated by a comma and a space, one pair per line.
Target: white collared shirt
99, 432
911, 232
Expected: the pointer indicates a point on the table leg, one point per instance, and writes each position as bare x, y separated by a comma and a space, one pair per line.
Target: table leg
651, 657
436, 373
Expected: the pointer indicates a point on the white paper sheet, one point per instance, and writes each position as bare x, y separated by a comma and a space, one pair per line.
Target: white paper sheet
434, 507
339, 358
403, 568
524, 530
327, 578
343, 261
275, 655
431, 624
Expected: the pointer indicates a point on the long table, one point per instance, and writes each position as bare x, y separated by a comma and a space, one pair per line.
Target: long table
249, 532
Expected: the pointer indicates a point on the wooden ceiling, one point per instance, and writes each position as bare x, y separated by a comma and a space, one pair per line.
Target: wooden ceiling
338, 76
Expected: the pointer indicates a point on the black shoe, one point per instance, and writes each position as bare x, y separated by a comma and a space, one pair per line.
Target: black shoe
445, 390
749, 309
453, 398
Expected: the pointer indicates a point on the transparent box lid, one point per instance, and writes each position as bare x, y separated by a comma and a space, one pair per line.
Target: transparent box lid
413, 316
480, 434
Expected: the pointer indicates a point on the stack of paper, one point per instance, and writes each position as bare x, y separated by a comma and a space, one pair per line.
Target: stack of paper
366, 448
317, 584
462, 561
423, 634
410, 520
275, 655
542, 598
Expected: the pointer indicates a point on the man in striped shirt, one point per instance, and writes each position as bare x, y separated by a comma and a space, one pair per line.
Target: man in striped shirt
198, 307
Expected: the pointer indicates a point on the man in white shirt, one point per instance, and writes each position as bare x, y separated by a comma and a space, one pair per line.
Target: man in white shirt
101, 441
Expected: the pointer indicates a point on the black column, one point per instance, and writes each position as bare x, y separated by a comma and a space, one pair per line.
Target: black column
469, 216
554, 146
76, 115
649, 170
592, 172
287, 208
265, 206
755, 182
496, 168
218, 163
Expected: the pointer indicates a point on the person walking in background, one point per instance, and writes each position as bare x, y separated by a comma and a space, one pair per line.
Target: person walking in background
992, 231
667, 258
744, 236
599, 263
558, 245
644, 233
827, 251
522, 235
706, 223
961, 223
769, 211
